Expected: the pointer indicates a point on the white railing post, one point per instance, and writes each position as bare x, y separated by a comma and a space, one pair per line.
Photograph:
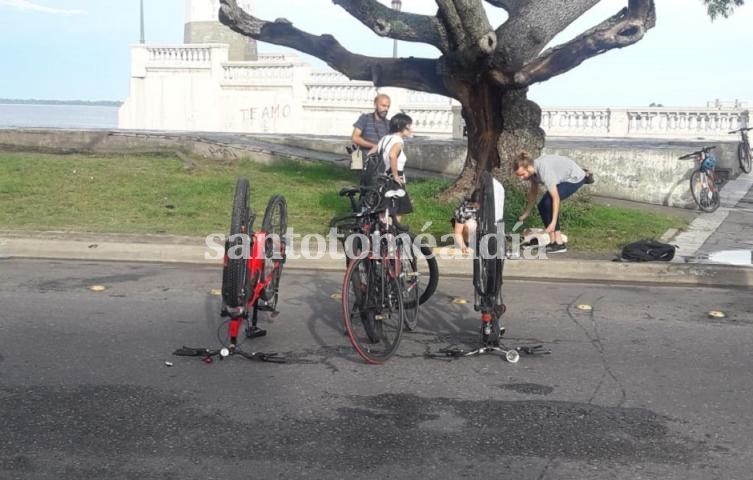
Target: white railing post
139, 58
218, 56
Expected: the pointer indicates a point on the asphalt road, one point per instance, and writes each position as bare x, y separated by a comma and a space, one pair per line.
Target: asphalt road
643, 386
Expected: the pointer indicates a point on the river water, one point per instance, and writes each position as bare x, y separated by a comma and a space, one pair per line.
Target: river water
58, 116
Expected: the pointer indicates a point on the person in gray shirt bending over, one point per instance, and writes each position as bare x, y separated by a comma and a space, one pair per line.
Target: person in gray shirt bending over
561, 177
372, 126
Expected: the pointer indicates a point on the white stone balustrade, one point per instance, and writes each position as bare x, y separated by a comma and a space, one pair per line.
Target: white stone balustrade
576, 121
354, 95
279, 93
664, 122
257, 74
649, 122
191, 56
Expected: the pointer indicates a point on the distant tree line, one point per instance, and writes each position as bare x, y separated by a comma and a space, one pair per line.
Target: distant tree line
34, 101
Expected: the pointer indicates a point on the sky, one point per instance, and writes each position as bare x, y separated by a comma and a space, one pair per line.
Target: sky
80, 50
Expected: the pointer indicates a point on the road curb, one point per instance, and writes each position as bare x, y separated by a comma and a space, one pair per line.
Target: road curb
37, 246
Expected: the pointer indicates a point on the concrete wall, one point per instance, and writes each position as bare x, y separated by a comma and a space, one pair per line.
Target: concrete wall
645, 170
108, 142
638, 170
199, 87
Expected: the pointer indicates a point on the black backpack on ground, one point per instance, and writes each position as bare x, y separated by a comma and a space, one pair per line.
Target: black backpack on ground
647, 251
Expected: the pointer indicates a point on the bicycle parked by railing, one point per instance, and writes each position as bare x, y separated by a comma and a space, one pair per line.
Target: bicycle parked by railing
704, 183
744, 153
252, 267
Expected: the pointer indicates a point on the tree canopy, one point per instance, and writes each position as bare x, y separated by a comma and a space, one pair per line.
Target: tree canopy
487, 68
722, 8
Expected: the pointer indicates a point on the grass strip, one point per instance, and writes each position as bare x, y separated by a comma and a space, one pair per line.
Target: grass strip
157, 194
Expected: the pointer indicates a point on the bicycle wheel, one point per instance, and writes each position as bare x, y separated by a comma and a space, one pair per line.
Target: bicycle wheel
488, 261
704, 193
409, 286
744, 156
275, 225
427, 270
234, 273
372, 310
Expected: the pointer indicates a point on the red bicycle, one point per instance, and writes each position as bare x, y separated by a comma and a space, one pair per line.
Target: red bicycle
252, 267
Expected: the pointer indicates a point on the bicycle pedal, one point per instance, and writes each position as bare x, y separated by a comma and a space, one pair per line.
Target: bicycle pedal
534, 350
232, 312
274, 314
264, 308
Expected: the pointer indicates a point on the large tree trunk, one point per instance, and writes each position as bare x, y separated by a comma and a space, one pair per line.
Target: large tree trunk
499, 124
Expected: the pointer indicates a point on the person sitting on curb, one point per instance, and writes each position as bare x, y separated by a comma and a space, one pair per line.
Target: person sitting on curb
464, 220
561, 177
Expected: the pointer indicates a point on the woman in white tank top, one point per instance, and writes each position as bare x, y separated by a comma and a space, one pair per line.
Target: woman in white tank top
393, 155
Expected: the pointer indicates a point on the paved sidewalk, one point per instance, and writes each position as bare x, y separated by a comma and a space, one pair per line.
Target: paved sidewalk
726, 230
163, 248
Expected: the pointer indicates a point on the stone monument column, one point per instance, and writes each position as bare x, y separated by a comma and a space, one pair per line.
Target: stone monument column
203, 26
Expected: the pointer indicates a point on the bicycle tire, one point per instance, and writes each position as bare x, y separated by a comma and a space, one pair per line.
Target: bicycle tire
703, 191
487, 264
426, 267
372, 310
410, 288
275, 225
235, 283
744, 157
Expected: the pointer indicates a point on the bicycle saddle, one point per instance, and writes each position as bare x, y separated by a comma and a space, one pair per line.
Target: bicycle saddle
349, 191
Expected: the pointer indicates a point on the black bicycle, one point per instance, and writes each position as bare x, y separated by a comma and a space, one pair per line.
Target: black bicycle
488, 264
743, 149
380, 288
704, 183
365, 198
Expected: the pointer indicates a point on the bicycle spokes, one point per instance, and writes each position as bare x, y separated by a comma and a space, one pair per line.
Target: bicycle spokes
372, 309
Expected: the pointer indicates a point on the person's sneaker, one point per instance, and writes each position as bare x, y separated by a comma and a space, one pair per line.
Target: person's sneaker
589, 178
556, 248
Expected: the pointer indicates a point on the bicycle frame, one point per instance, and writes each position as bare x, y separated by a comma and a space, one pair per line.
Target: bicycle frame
255, 266
487, 281
703, 181
744, 152
250, 278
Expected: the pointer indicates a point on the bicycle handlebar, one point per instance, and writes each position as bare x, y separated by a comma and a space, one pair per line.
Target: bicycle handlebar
351, 191
740, 130
701, 151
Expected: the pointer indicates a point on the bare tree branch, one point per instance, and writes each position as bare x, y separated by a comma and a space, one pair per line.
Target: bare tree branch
535, 23
412, 73
467, 26
625, 28
387, 22
508, 5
